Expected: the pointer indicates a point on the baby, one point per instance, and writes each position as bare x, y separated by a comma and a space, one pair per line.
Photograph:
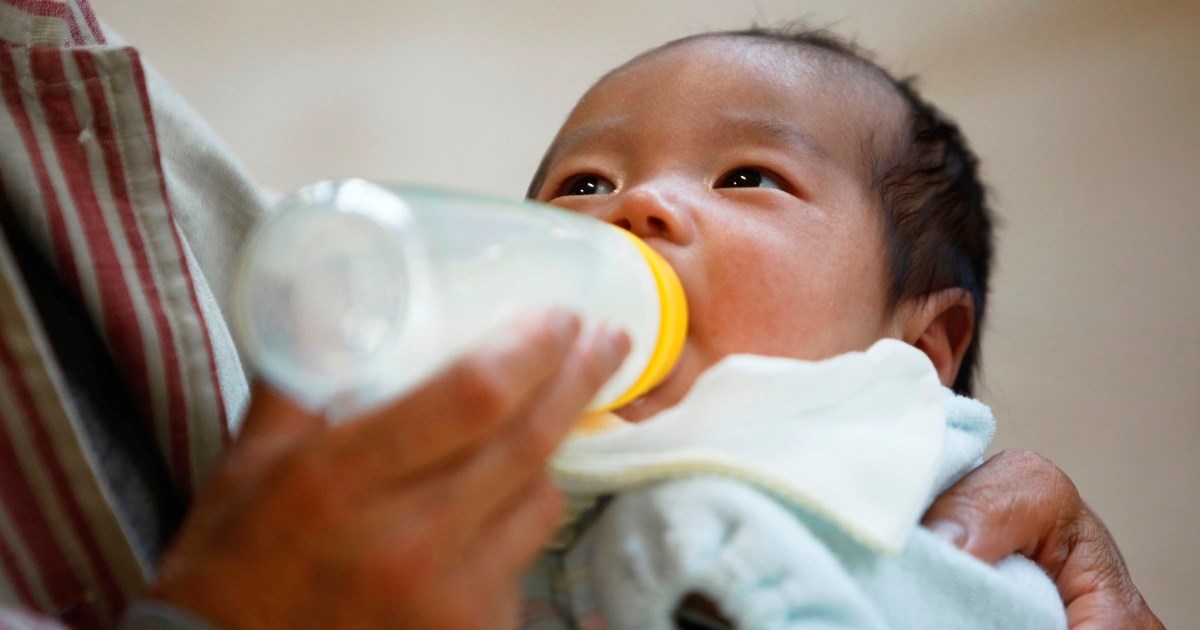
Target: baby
812, 205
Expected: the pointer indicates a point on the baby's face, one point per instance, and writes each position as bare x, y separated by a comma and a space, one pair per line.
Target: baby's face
744, 165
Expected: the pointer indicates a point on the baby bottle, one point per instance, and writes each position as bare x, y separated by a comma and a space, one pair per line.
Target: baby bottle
354, 292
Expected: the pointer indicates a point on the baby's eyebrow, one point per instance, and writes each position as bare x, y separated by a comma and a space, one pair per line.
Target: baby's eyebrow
585, 133
771, 130
578, 136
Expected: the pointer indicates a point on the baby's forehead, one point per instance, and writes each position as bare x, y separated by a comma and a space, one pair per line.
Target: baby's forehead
868, 108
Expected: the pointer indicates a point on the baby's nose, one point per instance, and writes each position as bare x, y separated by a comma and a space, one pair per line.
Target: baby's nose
653, 213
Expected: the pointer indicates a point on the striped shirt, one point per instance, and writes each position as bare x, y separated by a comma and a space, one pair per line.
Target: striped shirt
119, 382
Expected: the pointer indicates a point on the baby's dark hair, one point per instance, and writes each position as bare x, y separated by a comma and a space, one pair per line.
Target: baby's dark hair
937, 223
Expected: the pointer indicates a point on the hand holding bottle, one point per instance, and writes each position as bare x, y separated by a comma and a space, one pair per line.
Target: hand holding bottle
422, 513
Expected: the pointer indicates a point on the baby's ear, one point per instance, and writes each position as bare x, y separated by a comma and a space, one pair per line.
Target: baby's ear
940, 324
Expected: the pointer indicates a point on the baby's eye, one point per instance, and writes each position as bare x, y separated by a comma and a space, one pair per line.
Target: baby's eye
586, 184
749, 177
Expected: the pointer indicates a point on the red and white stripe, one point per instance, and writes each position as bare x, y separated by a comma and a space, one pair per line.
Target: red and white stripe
62, 543
81, 170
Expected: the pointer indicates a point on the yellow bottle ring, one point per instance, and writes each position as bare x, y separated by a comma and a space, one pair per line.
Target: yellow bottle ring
672, 329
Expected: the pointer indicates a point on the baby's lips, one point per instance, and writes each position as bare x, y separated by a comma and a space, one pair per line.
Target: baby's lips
659, 398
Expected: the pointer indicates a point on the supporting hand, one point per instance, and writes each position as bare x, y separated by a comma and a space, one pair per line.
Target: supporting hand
1020, 502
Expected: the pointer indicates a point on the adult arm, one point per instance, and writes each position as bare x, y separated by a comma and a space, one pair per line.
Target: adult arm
1020, 502
422, 514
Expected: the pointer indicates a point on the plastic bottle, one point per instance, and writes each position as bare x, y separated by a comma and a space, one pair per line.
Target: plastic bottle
354, 293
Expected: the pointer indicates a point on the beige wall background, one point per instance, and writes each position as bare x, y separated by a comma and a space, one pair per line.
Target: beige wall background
1085, 114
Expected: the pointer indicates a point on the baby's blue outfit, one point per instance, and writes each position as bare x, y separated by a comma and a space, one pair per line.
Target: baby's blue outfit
759, 535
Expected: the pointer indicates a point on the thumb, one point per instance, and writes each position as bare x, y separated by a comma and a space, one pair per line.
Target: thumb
1016, 502
1020, 502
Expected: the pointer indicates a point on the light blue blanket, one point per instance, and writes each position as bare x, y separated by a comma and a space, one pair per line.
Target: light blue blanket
769, 562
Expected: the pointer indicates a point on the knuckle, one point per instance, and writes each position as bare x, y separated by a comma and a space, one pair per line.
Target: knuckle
1026, 468
1024, 459
1040, 473
1030, 462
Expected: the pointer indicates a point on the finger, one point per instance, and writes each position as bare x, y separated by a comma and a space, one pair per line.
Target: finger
1014, 503
417, 557
472, 398
516, 534
509, 462
1094, 582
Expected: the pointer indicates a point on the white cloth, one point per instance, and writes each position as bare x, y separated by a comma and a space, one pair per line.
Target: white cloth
855, 438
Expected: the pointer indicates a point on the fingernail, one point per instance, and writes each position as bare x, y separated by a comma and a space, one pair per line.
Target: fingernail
949, 531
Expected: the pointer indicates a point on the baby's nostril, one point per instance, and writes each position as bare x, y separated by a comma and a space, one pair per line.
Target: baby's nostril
656, 224
624, 224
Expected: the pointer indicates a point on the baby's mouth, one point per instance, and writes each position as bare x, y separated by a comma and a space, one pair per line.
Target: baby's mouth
672, 388
666, 394
637, 409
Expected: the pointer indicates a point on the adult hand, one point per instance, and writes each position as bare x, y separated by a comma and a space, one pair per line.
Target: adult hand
419, 515
1020, 502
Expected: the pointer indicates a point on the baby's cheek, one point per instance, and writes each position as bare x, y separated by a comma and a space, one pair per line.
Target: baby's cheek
755, 319
769, 311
